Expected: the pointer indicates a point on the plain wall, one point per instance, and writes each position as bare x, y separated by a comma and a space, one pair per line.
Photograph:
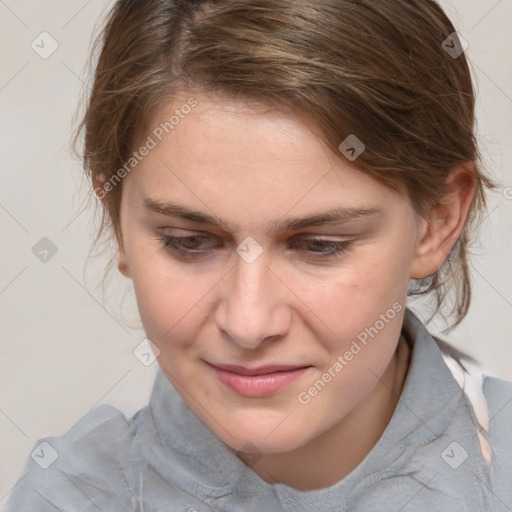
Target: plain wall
62, 350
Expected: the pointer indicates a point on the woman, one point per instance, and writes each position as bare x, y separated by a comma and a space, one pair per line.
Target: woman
279, 177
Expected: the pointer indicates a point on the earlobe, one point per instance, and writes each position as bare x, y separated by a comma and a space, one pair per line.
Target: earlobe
433, 249
445, 223
98, 182
122, 264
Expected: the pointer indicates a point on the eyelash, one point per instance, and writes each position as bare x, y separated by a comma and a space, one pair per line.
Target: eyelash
172, 244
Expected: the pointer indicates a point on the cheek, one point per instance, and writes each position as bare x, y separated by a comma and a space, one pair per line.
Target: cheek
355, 297
364, 312
171, 305
362, 307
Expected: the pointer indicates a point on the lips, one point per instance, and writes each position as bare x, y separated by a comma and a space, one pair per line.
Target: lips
260, 381
261, 370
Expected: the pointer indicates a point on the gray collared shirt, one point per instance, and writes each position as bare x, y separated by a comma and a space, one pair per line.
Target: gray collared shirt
448, 447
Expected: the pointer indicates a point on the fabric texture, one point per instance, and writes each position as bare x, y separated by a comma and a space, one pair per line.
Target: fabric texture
448, 447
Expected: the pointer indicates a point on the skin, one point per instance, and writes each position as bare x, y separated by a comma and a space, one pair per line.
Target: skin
251, 166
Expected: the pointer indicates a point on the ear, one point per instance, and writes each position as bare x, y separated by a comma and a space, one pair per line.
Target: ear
98, 181
445, 223
122, 263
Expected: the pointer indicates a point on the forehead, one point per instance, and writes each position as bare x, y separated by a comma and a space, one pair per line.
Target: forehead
236, 134
254, 158
221, 122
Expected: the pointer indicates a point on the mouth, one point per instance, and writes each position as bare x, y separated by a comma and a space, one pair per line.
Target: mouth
260, 381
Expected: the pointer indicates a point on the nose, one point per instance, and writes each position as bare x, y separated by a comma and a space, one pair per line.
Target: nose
253, 308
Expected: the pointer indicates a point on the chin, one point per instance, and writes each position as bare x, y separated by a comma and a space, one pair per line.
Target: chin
257, 436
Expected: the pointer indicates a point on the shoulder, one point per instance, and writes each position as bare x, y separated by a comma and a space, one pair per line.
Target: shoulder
82, 470
489, 396
498, 393
497, 389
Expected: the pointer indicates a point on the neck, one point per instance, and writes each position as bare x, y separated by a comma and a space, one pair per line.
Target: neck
330, 457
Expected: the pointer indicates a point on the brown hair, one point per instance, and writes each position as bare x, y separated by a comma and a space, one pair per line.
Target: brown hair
373, 68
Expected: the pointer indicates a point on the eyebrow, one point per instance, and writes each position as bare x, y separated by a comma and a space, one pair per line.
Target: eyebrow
333, 216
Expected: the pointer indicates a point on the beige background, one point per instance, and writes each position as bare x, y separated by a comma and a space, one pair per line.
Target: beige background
62, 350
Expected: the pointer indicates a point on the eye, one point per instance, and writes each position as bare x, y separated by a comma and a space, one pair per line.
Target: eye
319, 247
192, 246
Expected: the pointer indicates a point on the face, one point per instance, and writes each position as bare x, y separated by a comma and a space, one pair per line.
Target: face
270, 272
